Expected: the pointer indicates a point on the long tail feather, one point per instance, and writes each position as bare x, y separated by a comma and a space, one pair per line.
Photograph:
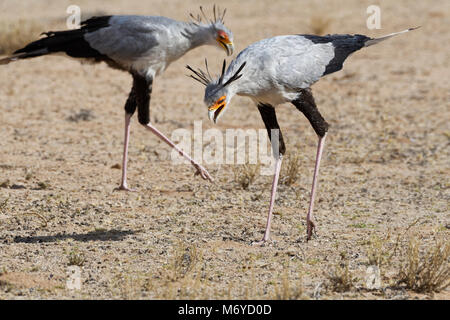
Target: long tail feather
377, 40
23, 55
9, 59
72, 42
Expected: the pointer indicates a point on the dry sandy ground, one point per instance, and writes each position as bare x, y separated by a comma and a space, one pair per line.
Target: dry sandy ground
384, 175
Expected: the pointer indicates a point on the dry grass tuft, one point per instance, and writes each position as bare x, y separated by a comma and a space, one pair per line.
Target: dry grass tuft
4, 205
246, 174
379, 253
75, 258
290, 174
5, 184
288, 291
427, 272
186, 258
319, 24
184, 278
39, 215
341, 279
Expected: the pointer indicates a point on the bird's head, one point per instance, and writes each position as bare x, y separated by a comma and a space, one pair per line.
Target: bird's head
216, 99
218, 93
218, 33
224, 38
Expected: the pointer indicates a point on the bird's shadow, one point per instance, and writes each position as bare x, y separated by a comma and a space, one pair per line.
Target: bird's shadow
104, 235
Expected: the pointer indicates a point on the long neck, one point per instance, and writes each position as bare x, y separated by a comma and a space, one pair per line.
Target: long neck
197, 35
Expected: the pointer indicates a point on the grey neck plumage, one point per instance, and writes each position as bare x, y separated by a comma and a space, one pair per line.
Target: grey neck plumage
198, 35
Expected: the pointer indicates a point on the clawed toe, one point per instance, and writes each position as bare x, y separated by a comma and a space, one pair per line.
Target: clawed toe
310, 228
124, 188
204, 174
261, 243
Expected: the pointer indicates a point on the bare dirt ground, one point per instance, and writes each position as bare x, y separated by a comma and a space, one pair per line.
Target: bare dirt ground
384, 176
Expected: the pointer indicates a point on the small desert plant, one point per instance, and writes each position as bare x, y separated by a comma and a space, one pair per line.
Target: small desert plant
5, 184
43, 185
290, 174
184, 261
288, 291
6, 286
246, 174
3, 205
75, 258
378, 252
185, 278
39, 215
428, 272
341, 279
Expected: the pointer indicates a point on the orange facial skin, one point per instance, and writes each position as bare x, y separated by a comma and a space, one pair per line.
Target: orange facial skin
219, 103
224, 41
222, 37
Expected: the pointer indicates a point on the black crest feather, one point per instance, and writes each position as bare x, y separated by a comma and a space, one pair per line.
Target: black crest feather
218, 15
205, 77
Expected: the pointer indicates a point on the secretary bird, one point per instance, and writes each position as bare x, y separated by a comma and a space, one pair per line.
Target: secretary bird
277, 70
142, 45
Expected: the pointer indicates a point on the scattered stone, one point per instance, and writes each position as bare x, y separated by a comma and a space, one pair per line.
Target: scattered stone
17, 186
292, 252
82, 115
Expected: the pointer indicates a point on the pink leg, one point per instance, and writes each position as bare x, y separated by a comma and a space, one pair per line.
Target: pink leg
123, 185
200, 170
310, 217
272, 201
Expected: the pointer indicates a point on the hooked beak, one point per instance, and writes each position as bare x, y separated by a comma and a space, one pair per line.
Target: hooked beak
227, 45
215, 110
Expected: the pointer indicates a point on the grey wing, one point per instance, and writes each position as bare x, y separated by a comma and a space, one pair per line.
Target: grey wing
127, 38
301, 62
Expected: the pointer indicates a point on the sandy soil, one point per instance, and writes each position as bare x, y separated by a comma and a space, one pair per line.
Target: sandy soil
384, 175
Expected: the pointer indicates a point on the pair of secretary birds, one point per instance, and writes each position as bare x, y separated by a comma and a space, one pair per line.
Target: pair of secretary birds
271, 71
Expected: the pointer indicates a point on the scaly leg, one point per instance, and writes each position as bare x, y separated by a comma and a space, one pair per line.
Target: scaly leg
310, 217
272, 201
200, 170
276, 138
123, 185
306, 104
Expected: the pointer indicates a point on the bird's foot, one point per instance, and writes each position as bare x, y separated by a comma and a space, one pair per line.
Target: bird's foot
264, 242
310, 228
124, 187
203, 173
